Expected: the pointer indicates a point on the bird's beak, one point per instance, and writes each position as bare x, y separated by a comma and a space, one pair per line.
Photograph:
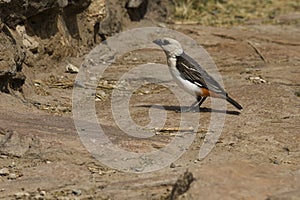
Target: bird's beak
158, 42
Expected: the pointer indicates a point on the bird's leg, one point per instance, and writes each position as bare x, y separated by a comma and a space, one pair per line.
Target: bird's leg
198, 102
199, 98
195, 103
201, 101
191, 107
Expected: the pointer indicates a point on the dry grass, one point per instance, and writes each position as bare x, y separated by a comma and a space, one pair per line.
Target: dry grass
232, 12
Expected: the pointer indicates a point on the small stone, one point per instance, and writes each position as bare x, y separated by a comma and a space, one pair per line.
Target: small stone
276, 162
28, 41
21, 195
76, 192
43, 193
72, 69
191, 128
13, 164
4, 172
162, 25
62, 3
286, 149
62, 109
3, 156
134, 3
172, 165
257, 79
101, 95
12, 176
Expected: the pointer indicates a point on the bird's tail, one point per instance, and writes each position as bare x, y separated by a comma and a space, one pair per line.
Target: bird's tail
233, 102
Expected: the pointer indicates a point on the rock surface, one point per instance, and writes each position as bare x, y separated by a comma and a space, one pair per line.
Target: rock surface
42, 156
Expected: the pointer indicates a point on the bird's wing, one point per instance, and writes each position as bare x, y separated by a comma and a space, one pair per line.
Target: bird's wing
194, 73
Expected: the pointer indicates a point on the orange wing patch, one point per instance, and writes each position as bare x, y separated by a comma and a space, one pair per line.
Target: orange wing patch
205, 93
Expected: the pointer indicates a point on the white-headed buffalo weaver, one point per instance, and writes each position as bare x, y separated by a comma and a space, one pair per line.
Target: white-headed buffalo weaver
190, 76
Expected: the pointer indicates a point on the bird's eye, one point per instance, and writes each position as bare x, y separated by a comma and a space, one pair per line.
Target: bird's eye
165, 42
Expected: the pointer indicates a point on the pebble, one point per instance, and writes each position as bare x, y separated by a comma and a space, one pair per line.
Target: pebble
4, 172
28, 41
257, 79
43, 193
62, 3
21, 195
134, 3
162, 25
39, 197
3, 156
71, 68
76, 192
13, 164
276, 162
12, 176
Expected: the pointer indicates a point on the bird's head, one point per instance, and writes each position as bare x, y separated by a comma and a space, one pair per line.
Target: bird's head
170, 46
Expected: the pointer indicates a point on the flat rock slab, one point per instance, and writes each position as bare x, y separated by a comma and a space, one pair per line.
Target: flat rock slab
256, 157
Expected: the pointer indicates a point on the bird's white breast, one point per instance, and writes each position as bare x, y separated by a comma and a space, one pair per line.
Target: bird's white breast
183, 83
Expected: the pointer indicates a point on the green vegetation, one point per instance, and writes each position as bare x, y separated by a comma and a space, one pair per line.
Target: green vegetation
232, 12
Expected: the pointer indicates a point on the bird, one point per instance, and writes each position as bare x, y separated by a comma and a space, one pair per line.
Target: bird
190, 76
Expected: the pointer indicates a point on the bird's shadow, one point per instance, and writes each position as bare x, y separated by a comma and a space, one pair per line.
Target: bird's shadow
200, 110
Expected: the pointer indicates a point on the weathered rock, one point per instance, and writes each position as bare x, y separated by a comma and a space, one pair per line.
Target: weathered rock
15, 144
4, 171
76, 192
22, 195
182, 185
120, 13
28, 41
160, 10
16, 12
115, 17
134, 3
12, 176
137, 9
12, 57
62, 3
70, 68
44, 33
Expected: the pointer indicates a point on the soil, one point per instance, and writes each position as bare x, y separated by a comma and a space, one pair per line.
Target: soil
256, 157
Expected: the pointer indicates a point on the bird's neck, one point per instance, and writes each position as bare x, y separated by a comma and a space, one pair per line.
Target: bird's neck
171, 61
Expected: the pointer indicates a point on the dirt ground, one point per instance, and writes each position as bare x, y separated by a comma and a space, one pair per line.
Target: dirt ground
256, 157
